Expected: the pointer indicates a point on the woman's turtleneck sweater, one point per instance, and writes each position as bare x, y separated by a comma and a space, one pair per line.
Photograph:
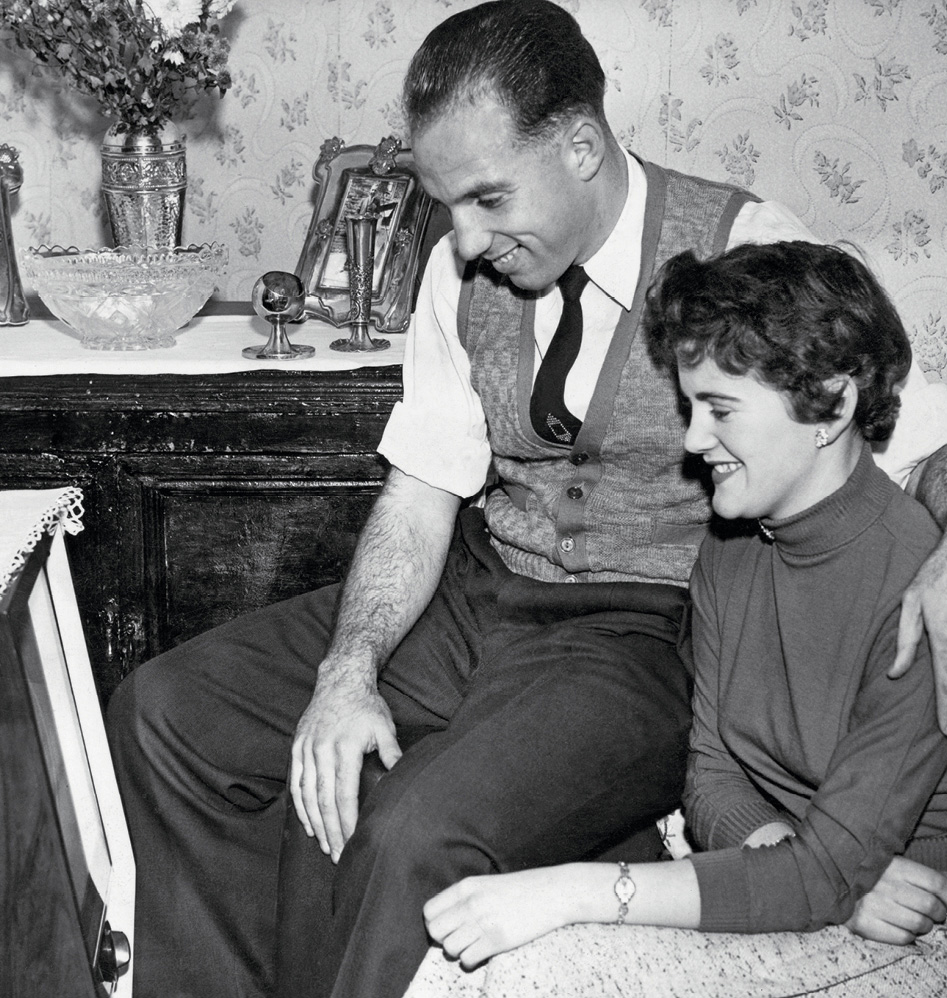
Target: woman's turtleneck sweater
795, 719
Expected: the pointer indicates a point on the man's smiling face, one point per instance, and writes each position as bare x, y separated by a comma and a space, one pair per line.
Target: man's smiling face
522, 206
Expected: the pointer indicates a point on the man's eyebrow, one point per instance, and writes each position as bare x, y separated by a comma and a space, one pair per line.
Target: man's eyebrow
483, 187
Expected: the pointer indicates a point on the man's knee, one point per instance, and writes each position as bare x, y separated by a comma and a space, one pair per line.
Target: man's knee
138, 700
417, 835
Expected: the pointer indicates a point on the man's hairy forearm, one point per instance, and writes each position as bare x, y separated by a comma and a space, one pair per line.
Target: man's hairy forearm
395, 570
928, 484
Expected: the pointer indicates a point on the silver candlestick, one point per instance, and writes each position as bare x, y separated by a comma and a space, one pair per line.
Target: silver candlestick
14, 310
360, 233
279, 298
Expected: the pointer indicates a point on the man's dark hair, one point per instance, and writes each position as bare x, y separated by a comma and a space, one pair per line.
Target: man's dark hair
795, 314
529, 55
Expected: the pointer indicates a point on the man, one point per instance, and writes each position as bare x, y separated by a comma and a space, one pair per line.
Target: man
523, 656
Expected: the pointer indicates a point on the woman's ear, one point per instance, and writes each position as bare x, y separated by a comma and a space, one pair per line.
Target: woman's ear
844, 408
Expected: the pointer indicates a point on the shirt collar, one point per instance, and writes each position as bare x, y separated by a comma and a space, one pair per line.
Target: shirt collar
615, 266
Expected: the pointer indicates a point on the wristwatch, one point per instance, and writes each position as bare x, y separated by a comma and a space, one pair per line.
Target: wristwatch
624, 891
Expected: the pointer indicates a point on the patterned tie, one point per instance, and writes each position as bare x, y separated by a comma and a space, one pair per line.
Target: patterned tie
547, 408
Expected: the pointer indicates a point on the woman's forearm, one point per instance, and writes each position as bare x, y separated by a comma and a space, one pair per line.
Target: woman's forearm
482, 916
663, 894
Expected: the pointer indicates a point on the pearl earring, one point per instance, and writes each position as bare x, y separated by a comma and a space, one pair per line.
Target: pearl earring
821, 437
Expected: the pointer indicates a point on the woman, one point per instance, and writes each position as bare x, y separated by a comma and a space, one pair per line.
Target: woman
787, 356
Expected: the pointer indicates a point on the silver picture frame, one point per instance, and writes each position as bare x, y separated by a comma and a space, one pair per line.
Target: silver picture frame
357, 180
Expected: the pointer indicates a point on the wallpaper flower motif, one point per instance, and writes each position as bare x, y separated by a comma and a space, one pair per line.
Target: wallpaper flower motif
833, 107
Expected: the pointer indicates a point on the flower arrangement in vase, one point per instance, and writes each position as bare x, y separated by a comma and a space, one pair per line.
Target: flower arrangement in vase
144, 63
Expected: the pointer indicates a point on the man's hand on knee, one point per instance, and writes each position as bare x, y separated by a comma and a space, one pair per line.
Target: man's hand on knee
343, 722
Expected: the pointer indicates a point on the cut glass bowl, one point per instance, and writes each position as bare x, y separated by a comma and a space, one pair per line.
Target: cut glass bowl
129, 298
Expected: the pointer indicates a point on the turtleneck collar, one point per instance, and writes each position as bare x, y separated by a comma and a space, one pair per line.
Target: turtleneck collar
836, 520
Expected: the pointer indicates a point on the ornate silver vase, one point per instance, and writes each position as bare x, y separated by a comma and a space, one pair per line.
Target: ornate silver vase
144, 178
360, 240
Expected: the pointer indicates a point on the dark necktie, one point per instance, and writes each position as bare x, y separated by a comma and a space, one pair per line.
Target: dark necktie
547, 408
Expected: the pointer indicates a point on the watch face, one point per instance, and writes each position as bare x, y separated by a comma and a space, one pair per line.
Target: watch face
625, 888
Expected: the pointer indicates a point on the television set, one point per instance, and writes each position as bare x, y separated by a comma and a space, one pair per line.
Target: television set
67, 878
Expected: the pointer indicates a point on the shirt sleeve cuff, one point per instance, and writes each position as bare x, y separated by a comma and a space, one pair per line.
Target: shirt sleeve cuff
724, 890
431, 448
752, 890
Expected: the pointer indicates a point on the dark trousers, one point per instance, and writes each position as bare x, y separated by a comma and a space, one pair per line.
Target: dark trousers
557, 719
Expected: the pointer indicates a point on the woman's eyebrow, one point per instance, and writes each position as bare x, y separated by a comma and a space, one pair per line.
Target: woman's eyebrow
715, 397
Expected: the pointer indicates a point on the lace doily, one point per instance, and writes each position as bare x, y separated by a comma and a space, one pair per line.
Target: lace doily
25, 516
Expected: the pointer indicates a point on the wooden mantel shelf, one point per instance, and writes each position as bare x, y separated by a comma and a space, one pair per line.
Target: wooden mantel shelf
209, 344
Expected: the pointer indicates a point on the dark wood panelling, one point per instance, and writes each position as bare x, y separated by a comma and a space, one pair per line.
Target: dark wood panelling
205, 497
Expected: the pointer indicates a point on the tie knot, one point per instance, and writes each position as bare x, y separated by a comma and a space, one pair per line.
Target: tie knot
573, 282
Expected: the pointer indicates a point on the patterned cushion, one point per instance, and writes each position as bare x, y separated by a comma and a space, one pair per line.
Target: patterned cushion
610, 961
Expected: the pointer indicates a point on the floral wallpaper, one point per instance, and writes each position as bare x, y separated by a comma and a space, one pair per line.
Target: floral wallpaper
837, 108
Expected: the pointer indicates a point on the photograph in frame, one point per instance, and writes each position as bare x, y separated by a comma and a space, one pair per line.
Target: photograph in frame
382, 197
362, 179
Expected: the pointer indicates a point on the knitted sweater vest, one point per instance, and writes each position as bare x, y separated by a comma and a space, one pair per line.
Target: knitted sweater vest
622, 503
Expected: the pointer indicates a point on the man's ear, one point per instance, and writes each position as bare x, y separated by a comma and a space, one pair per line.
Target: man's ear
844, 408
585, 145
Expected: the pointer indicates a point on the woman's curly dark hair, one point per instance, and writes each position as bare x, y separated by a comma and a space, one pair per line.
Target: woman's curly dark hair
795, 314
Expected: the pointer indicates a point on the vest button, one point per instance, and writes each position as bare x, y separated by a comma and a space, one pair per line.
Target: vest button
570, 578
580, 458
567, 544
575, 492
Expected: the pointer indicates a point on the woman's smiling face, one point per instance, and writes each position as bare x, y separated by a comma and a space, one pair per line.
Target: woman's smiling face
763, 461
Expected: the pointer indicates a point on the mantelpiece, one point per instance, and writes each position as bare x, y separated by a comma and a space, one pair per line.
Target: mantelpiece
209, 344
213, 485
